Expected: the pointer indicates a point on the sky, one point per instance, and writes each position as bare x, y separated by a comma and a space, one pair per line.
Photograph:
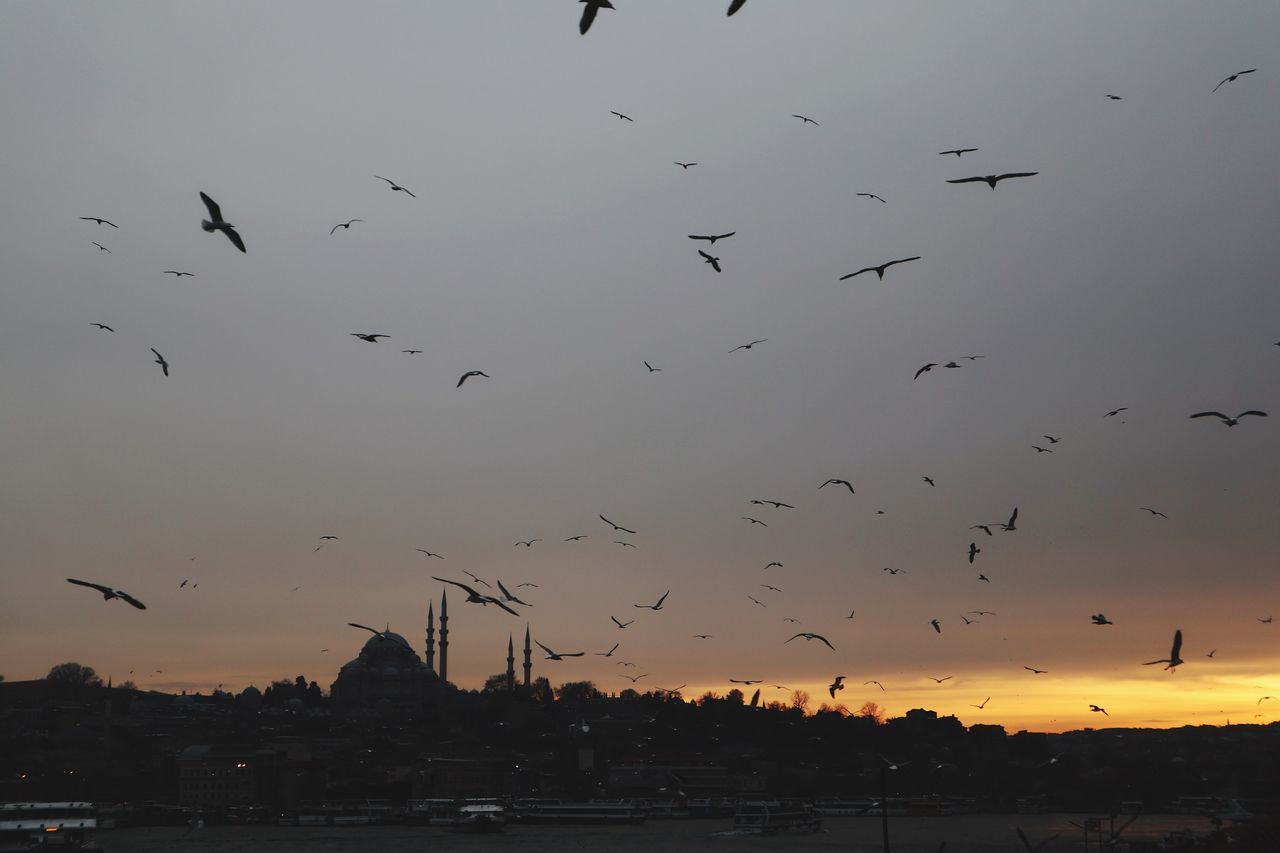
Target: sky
548, 247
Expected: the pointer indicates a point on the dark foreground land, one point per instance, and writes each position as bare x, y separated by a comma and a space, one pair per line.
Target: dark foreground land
963, 834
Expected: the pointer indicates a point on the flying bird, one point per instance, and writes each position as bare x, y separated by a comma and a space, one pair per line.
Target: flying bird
1114, 98
657, 606
702, 636
215, 222
929, 480
1114, 412
589, 11
99, 221
811, 636
1098, 710
164, 365
957, 151
652, 369
930, 366
179, 273
747, 681
974, 550
1101, 619
895, 571
576, 538
635, 678
985, 528
937, 626
940, 680
757, 601
711, 238
101, 248
1052, 440
507, 596
715, 262
102, 326
1040, 449
1266, 621
1153, 512
616, 527
550, 655
983, 705
983, 577
469, 374
879, 271
776, 504
395, 188
684, 165
109, 593
992, 180
412, 351
1226, 80
735, 6
1012, 523
1172, 660
528, 543
876, 683
346, 224
474, 597
839, 482
621, 624
753, 520
1034, 671
623, 544
373, 339
804, 119
838, 684
381, 635
1226, 420
609, 653
774, 563
621, 116
774, 588
872, 195
748, 346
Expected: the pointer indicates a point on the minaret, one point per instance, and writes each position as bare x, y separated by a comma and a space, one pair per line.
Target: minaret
511, 663
528, 664
444, 636
431, 637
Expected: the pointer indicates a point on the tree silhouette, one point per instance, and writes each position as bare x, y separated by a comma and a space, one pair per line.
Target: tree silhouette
871, 711
74, 675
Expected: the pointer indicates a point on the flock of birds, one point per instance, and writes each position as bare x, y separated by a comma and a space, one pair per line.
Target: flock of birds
503, 599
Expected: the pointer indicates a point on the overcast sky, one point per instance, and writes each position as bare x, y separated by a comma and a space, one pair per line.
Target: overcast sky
548, 247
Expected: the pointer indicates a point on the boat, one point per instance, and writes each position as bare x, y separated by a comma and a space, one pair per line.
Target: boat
51, 825
435, 812
848, 808
594, 811
481, 817
762, 817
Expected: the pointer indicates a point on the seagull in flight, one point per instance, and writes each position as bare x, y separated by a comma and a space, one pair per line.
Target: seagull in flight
373, 339
895, 571
346, 225
957, 151
179, 273
774, 588
985, 528
992, 180
550, 655
774, 563
748, 346
1114, 98
839, 482
1011, 524
1052, 440
469, 374
609, 653
929, 480
684, 165
937, 626
507, 596
1114, 412
711, 238
1099, 710
876, 683
1266, 621
635, 678
109, 593
872, 195
528, 543
99, 221
974, 550
616, 527
804, 119
381, 635
102, 326
1040, 449
838, 684
1034, 671
1229, 79
328, 537
215, 222
621, 116
623, 544
734, 6
715, 262
753, 520
928, 367
702, 636
429, 553
101, 248
983, 705
164, 365
576, 538
940, 680
747, 681
652, 369
1101, 619
879, 271
396, 187
621, 624
412, 351
776, 504
589, 13
1172, 660
811, 636
657, 606
1153, 512
474, 597
1226, 420
757, 601
983, 577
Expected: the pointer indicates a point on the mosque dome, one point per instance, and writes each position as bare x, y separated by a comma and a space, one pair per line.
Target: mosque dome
386, 668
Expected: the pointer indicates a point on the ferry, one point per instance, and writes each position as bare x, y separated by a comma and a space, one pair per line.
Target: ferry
770, 818
594, 811
486, 816
437, 812
40, 826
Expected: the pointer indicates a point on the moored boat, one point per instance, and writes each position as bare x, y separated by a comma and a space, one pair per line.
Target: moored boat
771, 817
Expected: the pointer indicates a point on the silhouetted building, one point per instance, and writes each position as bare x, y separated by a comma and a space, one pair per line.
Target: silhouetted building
387, 668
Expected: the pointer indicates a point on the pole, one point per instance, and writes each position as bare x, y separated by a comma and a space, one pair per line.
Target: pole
884, 806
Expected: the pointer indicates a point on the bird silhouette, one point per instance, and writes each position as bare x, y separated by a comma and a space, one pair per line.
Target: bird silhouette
346, 225
1227, 420
1034, 671
396, 188
382, 636
469, 374
974, 551
528, 543
429, 553
937, 626
215, 222
1114, 412
589, 10
621, 624
838, 482
992, 180
474, 597
1153, 512
109, 593
1099, 710
939, 680
621, 116
711, 238
715, 262
983, 705
652, 369
879, 271
808, 635
179, 273
164, 365
1230, 78
753, 520
928, 367
1172, 660
871, 195
957, 151
735, 6
102, 248
748, 346
617, 527
684, 165
102, 326
370, 338
548, 654
99, 221
837, 684
876, 683
609, 653
1101, 619
804, 119
657, 606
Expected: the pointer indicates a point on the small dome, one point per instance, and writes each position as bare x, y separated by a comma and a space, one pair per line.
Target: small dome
387, 643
